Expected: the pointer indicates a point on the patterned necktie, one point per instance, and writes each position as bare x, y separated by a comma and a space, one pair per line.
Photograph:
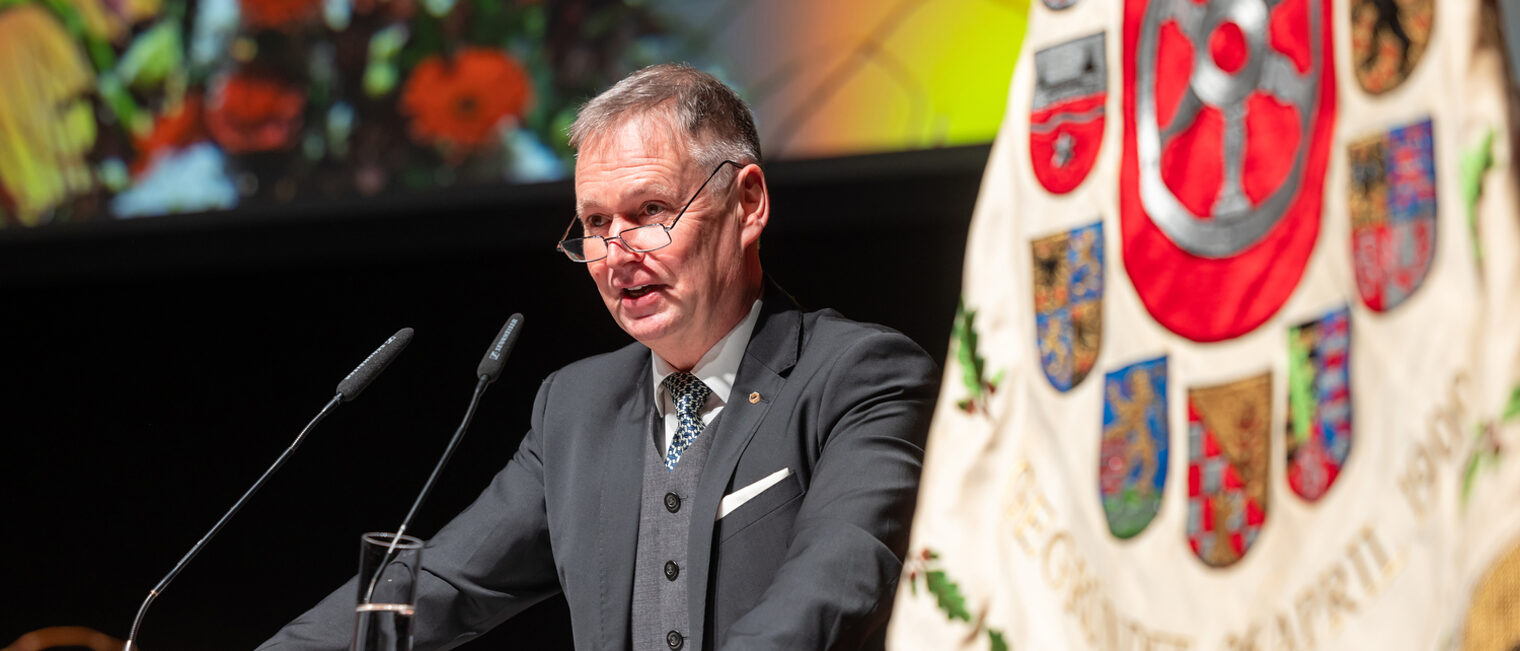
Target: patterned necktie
689, 394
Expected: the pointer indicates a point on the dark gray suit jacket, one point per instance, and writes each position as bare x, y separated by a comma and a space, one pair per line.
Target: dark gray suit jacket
810, 563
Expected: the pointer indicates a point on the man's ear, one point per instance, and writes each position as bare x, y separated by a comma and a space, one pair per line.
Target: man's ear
754, 204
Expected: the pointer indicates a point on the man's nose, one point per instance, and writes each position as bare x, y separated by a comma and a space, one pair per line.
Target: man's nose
619, 252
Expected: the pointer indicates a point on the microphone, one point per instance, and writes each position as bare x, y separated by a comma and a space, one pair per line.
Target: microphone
487, 371
496, 356
348, 389
355, 382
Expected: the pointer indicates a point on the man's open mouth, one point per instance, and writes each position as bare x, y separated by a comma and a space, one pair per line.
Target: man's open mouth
635, 292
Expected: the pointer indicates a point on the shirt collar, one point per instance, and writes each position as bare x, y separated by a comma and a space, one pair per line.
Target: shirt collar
718, 366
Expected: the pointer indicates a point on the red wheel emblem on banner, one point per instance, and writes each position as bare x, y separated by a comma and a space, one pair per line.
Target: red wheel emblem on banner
1228, 112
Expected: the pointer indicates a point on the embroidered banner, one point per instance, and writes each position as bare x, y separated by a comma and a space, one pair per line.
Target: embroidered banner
1239, 368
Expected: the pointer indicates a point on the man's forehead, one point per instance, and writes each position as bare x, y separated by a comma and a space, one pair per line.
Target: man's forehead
639, 156
650, 131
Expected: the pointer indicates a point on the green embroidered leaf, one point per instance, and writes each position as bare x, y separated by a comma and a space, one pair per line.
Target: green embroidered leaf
947, 594
965, 353
948, 597
1485, 452
996, 638
973, 365
1468, 474
1474, 162
1512, 411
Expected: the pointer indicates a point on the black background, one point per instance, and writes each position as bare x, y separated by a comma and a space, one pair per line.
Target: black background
152, 369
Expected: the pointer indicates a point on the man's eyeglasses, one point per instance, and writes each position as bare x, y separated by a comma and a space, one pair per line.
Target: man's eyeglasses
642, 239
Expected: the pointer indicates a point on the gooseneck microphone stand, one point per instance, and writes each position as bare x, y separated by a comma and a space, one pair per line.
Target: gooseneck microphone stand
488, 370
348, 389
158, 589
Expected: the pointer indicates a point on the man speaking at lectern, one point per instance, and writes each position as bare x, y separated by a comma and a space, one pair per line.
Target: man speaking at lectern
742, 477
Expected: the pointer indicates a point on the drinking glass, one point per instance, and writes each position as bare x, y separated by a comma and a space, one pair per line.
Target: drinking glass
387, 592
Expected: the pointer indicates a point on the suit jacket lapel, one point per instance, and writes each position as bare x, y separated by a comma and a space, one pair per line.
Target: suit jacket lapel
772, 351
622, 482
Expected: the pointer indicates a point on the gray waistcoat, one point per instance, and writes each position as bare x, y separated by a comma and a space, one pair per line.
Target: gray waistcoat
659, 575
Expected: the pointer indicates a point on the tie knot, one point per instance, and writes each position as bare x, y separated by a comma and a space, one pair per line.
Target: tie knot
686, 391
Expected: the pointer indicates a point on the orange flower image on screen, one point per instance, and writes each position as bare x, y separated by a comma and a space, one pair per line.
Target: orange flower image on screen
457, 102
278, 14
252, 112
176, 128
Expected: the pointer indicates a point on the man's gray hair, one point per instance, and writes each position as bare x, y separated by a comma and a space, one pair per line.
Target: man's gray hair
717, 124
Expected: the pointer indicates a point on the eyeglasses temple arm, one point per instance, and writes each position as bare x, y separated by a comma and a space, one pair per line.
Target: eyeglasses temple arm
698, 193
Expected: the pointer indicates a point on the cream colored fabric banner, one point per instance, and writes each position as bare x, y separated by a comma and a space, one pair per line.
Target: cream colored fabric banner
1240, 332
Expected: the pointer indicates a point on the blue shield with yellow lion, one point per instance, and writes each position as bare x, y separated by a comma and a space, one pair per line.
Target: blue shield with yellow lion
1134, 451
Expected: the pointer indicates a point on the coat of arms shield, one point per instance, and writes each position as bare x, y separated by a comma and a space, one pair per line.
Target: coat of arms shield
1227, 134
1393, 213
1388, 38
1319, 403
1067, 116
1068, 303
1228, 455
1134, 450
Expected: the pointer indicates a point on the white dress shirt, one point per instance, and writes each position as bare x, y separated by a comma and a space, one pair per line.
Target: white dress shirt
716, 369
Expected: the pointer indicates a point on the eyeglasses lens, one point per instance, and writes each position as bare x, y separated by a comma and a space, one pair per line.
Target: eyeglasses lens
646, 238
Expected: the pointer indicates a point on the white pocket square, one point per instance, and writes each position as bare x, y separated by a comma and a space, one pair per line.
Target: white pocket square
737, 498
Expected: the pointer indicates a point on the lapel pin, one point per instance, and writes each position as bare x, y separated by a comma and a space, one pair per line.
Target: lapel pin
754, 397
